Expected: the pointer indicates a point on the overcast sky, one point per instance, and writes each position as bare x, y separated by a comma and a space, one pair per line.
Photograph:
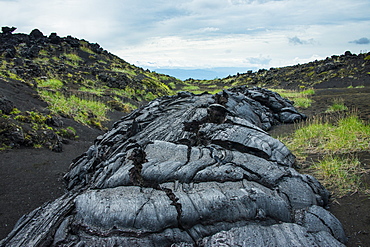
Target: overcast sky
233, 35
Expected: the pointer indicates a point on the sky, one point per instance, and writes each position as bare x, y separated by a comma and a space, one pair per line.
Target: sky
203, 39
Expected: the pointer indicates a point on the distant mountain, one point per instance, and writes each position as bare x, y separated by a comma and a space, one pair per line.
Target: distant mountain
202, 74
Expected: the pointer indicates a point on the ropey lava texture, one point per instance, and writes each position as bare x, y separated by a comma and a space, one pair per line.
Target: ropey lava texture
188, 170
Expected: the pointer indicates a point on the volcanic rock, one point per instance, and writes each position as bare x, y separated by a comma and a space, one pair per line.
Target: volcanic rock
6, 106
36, 34
188, 170
8, 30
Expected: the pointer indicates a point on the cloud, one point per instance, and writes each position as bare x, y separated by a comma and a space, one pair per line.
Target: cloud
297, 41
361, 41
200, 33
260, 60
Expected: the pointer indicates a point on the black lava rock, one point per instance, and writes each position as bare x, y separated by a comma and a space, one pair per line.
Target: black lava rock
8, 30
188, 170
36, 34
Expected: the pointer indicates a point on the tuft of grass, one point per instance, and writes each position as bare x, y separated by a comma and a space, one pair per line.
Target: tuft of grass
302, 102
334, 139
348, 134
85, 47
96, 91
340, 174
308, 92
338, 105
190, 88
300, 99
50, 83
68, 132
88, 112
73, 57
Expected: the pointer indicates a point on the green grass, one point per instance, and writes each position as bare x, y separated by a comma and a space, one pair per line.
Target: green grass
97, 91
73, 57
338, 105
300, 99
333, 139
84, 111
348, 134
190, 88
302, 102
85, 48
308, 92
50, 83
43, 52
340, 174
361, 86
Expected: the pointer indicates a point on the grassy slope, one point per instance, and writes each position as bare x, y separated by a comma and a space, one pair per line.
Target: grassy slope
77, 79
348, 70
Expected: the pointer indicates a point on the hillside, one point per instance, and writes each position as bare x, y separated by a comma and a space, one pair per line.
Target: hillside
347, 70
77, 80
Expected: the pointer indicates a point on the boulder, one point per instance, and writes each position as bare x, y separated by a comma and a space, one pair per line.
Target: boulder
54, 38
188, 170
8, 30
36, 34
6, 106
73, 42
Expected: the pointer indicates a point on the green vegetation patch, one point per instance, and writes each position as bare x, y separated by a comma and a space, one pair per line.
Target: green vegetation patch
338, 105
190, 88
84, 111
31, 129
68, 132
300, 98
96, 91
340, 174
334, 139
72, 57
348, 134
50, 83
85, 47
